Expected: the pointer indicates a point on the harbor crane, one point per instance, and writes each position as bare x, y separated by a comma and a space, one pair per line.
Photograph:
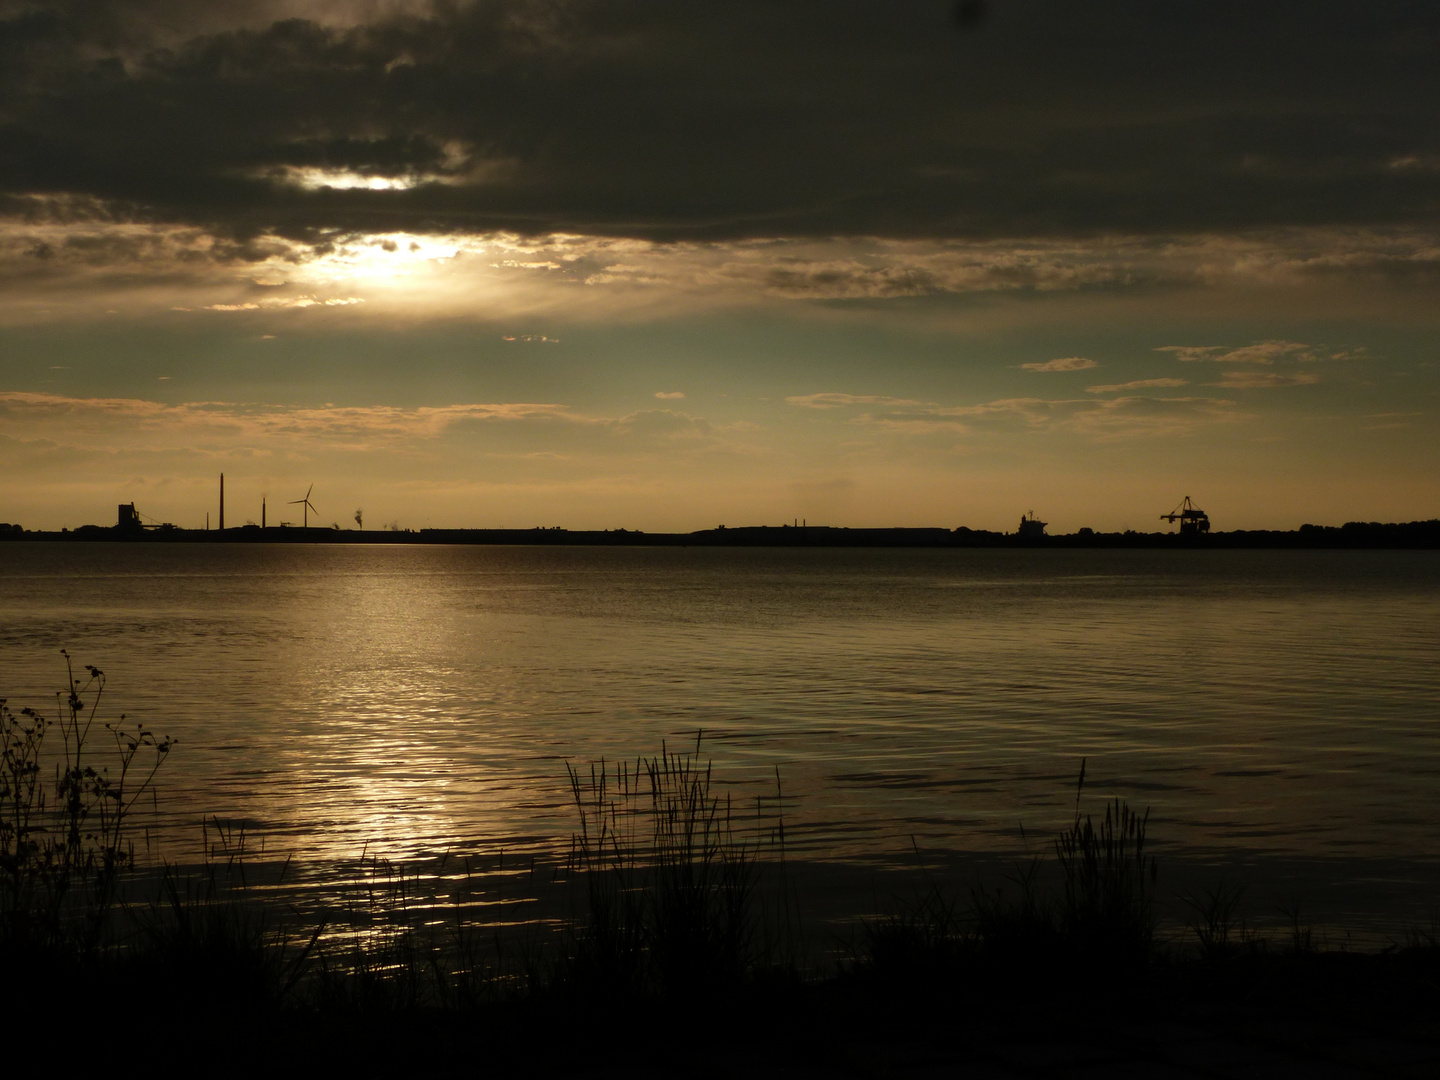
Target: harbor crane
1193, 520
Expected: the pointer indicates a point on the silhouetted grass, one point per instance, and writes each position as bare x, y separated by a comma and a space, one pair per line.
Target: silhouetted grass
1215, 921
669, 878
1016, 925
1107, 914
1100, 922
205, 932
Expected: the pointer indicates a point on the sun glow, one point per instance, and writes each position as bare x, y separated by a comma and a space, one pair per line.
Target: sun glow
379, 258
316, 179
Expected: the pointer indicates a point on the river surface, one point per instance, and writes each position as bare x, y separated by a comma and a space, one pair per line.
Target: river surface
1270, 708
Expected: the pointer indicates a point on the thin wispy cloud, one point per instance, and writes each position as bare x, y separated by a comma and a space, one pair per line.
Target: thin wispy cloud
1265, 352
836, 401
1264, 380
666, 424
1064, 363
220, 425
1138, 384
1392, 421
1102, 420
225, 422
281, 302
1192, 353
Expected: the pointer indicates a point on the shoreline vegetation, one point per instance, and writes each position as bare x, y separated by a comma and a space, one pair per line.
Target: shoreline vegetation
1351, 535
673, 921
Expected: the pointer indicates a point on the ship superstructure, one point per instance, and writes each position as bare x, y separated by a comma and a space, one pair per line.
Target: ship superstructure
1031, 527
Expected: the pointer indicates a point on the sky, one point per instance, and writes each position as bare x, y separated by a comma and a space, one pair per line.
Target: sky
664, 266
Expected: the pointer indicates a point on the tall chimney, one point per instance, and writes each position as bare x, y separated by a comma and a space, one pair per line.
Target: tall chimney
262, 511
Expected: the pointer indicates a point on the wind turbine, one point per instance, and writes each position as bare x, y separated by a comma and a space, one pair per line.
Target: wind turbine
306, 503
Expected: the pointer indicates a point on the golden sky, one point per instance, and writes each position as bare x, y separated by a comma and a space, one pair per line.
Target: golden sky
604, 264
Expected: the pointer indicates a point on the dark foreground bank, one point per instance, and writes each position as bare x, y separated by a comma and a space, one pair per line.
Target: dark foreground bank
1262, 1013
1324, 1016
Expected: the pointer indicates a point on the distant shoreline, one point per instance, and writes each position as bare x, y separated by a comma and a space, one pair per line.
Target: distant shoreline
1421, 535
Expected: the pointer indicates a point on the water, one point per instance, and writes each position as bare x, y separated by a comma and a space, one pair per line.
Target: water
1273, 709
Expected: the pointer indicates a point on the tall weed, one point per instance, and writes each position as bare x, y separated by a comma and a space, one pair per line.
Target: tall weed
63, 840
668, 877
1107, 910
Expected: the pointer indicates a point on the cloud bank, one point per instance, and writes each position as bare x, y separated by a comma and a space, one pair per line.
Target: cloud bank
722, 120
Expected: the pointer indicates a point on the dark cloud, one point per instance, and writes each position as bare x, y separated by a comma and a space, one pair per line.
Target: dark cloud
725, 118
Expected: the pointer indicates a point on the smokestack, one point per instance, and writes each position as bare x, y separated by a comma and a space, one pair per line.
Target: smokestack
262, 511
222, 502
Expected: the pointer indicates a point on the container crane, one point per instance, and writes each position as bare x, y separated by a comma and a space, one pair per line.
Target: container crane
1193, 520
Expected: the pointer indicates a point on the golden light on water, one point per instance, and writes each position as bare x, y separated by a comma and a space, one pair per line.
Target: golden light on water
393, 713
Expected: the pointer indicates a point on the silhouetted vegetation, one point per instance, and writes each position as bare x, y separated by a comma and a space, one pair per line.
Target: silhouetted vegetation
668, 880
1099, 923
63, 837
676, 901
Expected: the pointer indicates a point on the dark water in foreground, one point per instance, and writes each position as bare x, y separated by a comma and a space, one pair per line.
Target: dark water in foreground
1276, 710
